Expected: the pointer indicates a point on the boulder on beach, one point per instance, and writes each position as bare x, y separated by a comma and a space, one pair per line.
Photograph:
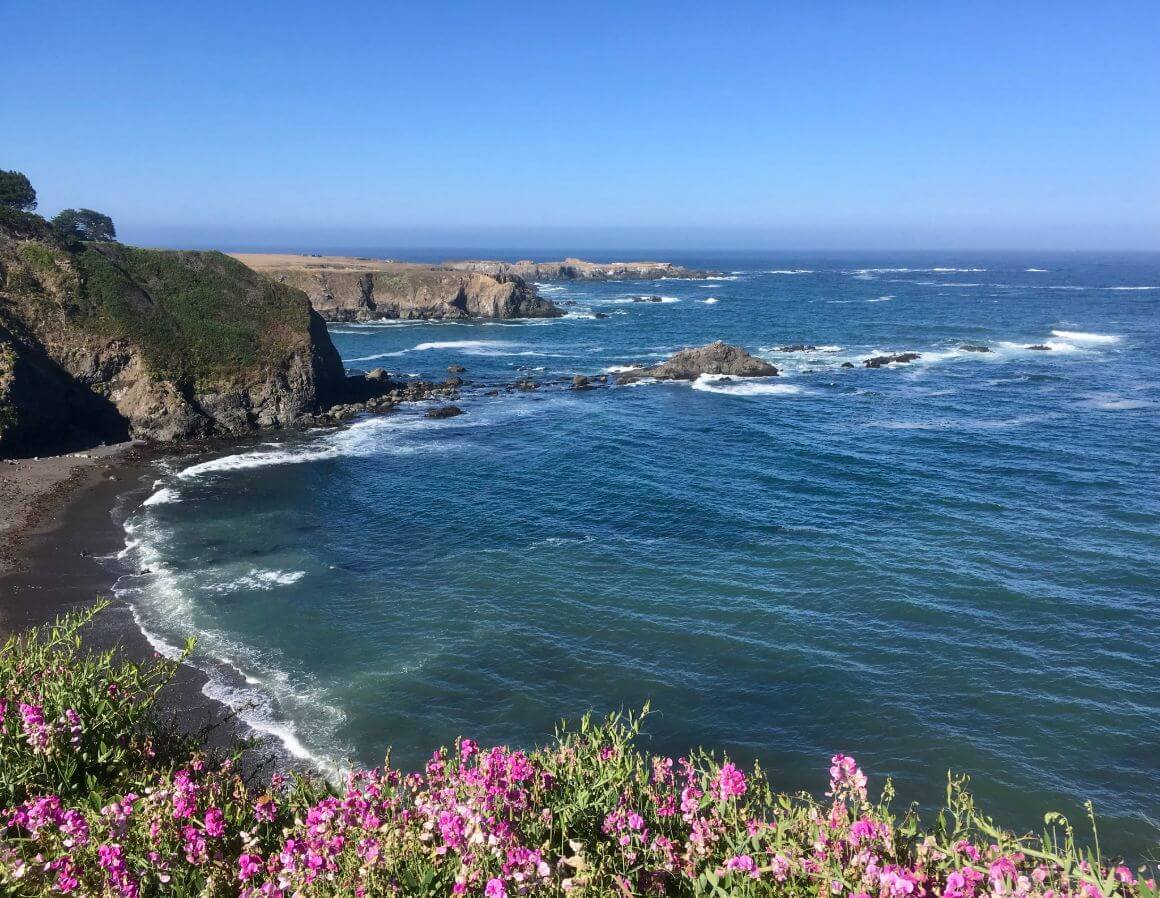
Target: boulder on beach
376, 374
903, 358
444, 411
716, 358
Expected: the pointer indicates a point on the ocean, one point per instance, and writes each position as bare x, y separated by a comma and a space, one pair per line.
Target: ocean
951, 565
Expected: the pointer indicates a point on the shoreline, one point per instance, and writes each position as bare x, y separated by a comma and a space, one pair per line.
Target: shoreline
60, 555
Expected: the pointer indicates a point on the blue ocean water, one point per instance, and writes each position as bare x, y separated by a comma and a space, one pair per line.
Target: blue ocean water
953, 564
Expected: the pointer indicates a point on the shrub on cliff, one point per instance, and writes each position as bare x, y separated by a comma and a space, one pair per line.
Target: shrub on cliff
198, 317
84, 224
587, 815
16, 191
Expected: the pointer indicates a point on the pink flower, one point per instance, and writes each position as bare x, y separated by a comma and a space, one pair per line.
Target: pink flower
249, 866
495, 889
743, 863
215, 823
729, 782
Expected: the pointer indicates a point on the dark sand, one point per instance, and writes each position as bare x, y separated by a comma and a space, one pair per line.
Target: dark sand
61, 555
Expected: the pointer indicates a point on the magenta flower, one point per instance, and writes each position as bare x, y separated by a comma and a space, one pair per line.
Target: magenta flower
729, 782
215, 823
495, 889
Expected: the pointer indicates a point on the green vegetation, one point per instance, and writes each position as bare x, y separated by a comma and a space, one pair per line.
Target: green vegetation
84, 224
16, 191
200, 319
103, 799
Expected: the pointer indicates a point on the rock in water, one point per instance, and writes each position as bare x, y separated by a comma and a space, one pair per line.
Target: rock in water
904, 358
648, 299
580, 382
797, 347
847, 364
444, 411
1040, 347
972, 347
455, 369
716, 358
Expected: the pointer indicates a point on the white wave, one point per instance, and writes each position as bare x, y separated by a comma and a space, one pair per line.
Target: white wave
1110, 402
1057, 346
360, 439
1082, 337
466, 345
881, 299
1132, 288
1036, 270
161, 603
259, 580
625, 300
873, 271
729, 386
376, 356
620, 369
163, 496
710, 300
790, 271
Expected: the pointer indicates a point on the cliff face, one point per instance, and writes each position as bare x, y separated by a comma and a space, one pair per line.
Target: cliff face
345, 289
103, 341
579, 270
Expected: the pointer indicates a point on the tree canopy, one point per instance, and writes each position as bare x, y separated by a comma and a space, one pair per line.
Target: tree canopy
85, 224
16, 191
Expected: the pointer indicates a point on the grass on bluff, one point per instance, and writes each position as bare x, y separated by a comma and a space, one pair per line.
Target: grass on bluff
200, 318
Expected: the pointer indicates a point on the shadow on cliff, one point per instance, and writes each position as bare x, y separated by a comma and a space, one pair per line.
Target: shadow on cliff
57, 414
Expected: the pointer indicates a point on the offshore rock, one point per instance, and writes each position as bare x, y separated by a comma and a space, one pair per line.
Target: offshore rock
716, 358
904, 358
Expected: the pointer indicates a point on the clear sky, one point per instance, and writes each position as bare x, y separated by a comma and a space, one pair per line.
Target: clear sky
1011, 124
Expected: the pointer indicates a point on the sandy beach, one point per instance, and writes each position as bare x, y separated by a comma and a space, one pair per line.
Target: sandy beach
60, 532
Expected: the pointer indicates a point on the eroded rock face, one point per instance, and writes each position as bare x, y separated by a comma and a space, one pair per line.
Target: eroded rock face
716, 358
104, 342
580, 270
345, 292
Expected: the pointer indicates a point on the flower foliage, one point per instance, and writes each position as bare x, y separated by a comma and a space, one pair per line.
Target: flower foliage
102, 800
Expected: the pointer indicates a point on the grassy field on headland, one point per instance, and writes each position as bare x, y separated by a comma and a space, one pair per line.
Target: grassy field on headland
103, 796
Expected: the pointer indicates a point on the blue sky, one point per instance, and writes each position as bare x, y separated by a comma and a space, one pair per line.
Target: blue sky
763, 125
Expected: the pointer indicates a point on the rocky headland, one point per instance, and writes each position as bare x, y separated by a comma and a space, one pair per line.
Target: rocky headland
580, 270
101, 343
343, 288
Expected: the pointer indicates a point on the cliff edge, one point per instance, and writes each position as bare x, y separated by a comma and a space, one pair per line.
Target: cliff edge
344, 288
101, 341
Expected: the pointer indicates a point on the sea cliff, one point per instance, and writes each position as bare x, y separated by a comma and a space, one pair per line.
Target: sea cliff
101, 342
352, 289
580, 270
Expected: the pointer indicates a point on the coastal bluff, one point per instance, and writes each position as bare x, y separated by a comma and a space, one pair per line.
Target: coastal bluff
580, 270
344, 288
102, 342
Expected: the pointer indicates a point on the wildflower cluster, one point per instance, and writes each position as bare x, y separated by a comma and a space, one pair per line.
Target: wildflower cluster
587, 815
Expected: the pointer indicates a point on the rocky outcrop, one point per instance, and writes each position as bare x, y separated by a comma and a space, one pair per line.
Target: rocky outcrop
716, 358
103, 341
351, 289
903, 358
580, 270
